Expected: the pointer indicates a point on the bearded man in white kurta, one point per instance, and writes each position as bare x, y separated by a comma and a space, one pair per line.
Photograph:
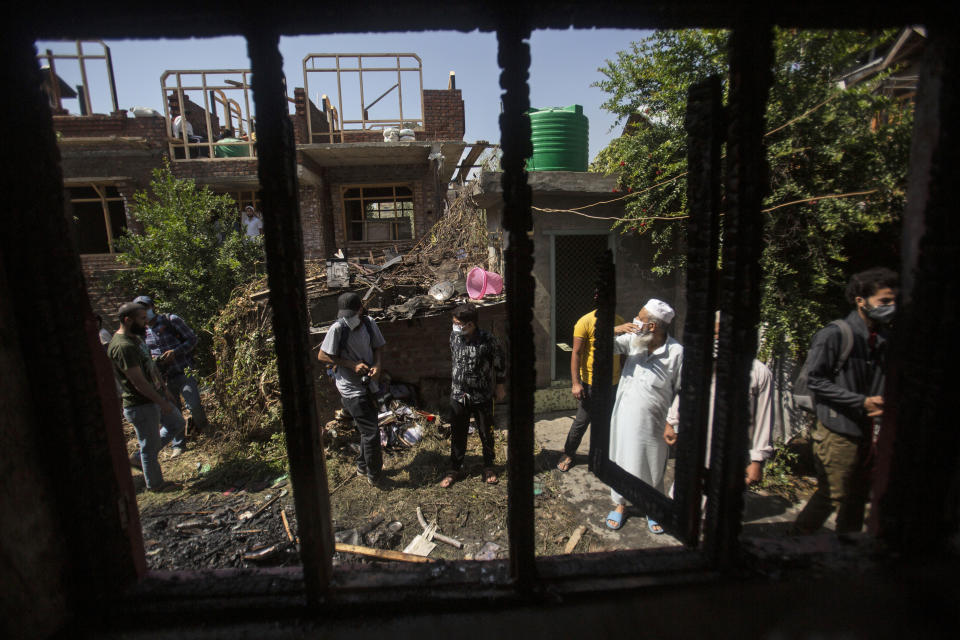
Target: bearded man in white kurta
640, 433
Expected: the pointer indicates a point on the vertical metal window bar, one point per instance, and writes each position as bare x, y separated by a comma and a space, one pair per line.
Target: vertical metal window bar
283, 243
704, 123
751, 58
681, 514
513, 56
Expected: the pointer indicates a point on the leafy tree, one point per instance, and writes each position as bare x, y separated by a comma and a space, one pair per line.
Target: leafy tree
189, 258
823, 140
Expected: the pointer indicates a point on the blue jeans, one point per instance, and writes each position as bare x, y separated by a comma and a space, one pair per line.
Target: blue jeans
154, 431
186, 386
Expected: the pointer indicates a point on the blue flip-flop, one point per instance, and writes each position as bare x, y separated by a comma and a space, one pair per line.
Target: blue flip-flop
617, 517
653, 523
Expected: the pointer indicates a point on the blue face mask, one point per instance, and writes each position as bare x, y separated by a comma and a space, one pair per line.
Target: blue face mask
150, 314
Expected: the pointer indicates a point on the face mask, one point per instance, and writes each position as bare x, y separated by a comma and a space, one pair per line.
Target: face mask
150, 314
457, 329
353, 322
882, 314
644, 326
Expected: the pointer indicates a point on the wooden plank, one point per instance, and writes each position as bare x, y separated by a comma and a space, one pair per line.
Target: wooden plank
575, 539
381, 554
472, 156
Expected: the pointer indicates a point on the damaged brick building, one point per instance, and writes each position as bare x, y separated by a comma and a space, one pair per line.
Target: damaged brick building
357, 192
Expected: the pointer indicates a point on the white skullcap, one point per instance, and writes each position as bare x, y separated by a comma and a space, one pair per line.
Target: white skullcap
659, 310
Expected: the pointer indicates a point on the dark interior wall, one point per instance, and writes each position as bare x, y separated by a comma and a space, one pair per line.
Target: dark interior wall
901, 600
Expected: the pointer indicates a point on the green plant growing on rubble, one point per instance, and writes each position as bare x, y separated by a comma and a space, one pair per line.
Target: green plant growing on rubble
840, 141
179, 259
777, 471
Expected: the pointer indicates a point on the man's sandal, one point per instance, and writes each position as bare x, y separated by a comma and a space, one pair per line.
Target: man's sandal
490, 476
654, 527
449, 479
565, 463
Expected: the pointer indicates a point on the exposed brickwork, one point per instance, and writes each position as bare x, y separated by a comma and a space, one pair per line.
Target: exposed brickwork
443, 114
314, 245
152, 127
299, 118
212, 169
98, 273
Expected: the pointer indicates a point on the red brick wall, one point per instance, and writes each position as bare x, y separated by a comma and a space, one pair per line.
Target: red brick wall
314, 242
152, 128
299, 118
207, 169
443, 114
98, 272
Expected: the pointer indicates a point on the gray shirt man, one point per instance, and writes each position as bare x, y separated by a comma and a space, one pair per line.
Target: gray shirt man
359, 347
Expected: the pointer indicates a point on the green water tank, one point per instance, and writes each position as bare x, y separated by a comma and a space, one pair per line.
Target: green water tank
559, 136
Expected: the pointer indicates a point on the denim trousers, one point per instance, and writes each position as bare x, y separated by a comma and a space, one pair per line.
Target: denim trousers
154, 431
186, 386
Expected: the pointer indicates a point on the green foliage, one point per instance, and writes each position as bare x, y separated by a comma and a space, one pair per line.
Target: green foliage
851, 140
245, 381
179, 258
778, 471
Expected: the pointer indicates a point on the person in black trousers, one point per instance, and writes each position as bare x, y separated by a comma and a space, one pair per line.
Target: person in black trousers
478, 365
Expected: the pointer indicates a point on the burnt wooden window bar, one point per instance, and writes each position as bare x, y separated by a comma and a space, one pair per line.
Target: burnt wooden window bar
108, 551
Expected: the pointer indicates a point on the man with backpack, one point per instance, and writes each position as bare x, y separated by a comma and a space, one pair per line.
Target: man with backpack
844, 374
172, 343
352, 346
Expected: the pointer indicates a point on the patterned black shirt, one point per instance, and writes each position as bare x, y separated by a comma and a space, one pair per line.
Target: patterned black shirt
475, 358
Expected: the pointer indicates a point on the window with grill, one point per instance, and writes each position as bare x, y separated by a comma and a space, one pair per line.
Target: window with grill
378, 213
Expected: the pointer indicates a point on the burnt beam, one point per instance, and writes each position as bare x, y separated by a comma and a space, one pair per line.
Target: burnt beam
283, 241
751, 58
704, 124
916, 487
513, 56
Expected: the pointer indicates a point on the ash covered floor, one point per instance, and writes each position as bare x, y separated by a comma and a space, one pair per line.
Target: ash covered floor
231, 509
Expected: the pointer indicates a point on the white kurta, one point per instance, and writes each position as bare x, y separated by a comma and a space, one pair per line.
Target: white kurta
761, 413
648, 387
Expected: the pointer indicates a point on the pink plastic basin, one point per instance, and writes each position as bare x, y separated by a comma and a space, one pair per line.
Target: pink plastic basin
481, 283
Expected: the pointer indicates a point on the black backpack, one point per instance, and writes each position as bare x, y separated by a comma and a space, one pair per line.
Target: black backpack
345, 336
802, 396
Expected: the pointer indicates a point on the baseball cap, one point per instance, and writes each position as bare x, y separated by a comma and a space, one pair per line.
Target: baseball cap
349, 304
144, 300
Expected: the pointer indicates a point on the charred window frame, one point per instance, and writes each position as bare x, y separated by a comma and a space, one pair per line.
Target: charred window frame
106, 552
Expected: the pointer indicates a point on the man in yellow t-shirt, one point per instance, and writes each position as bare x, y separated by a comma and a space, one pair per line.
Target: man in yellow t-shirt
581, 372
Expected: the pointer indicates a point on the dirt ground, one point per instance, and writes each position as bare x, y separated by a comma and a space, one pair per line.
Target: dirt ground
230, 509
215, 518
